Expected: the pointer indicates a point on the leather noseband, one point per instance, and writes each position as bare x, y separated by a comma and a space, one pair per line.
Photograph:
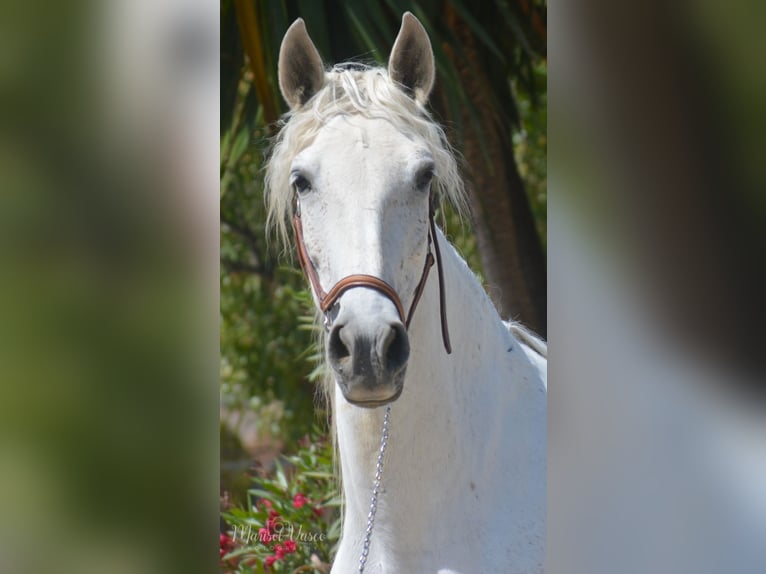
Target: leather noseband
327, 299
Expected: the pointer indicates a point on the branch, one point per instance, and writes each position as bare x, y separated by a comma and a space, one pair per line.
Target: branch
247, 234
233, 266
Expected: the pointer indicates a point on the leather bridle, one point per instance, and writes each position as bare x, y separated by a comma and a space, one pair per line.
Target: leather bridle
327, 299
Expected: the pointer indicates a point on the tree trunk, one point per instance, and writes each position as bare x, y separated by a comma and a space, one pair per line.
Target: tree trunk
510, 249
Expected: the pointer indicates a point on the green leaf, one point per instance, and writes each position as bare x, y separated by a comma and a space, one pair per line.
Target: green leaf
317, 474
281, 478
259, 493
481, 33
335, 501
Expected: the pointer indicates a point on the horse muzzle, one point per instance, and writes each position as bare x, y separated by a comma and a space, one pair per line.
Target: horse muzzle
369, 360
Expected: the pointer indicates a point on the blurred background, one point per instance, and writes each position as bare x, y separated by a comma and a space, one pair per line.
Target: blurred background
119, 139
108, 286
657, 444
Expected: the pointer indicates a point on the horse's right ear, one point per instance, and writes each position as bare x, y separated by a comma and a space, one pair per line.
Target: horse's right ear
301, 73
411, 63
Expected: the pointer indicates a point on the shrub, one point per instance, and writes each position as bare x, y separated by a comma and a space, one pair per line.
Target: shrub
292, 518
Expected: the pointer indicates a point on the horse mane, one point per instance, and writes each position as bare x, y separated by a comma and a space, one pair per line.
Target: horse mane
528, 337
355, 89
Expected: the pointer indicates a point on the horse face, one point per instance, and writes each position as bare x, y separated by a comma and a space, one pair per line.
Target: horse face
363, 189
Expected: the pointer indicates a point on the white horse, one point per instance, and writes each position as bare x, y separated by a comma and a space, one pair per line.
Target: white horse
464, 481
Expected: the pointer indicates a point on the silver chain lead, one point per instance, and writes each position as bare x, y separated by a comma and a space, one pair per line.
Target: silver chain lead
375, 492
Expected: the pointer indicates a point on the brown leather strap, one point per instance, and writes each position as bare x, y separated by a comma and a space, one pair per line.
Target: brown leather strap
421, 285
440, 272
305, 260
361, 281
327, 300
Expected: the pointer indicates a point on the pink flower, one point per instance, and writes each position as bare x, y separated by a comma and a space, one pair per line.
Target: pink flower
273, 514
270, 560
299, 500
224, 540
290, 546
279, 551
271, 523
264, 535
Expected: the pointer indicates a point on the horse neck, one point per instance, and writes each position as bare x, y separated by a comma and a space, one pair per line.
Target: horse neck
435, 422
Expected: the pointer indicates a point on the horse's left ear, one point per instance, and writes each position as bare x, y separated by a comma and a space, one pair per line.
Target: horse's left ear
411, 63
301, 73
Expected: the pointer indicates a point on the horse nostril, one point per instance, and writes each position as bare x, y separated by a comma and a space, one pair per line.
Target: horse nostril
395, 349
336, 348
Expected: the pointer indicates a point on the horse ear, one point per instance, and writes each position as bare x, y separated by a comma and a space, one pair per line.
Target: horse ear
301, 73
411, 63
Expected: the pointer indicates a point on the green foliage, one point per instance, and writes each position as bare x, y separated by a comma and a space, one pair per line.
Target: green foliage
530, 144
291, 515
266, 315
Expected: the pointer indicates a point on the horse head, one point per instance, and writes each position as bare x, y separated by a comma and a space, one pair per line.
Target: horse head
361, 180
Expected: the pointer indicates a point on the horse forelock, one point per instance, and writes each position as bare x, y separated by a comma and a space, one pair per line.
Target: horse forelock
355, 90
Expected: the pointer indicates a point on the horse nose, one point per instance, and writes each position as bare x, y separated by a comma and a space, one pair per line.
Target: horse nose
384, 354
394, 348
369, 361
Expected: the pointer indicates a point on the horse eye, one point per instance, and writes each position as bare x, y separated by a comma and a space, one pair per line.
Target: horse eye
301, 184
424, 178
